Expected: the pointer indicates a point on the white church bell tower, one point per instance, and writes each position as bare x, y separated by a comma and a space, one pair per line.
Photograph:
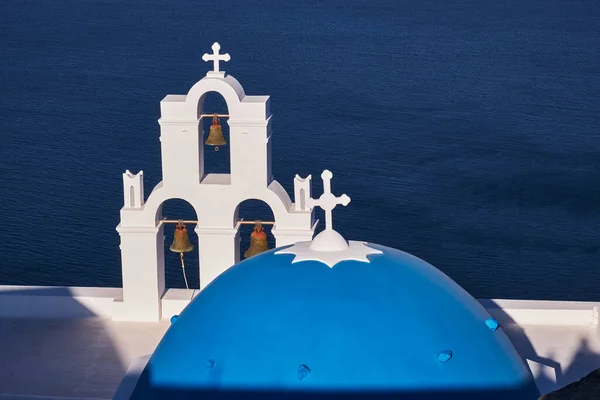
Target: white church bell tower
214, 197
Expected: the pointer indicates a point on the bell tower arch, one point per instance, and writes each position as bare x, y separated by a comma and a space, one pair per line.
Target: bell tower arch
214, 197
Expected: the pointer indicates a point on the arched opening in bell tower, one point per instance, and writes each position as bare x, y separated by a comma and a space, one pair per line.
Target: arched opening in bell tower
217, 157
174, 210
250, 211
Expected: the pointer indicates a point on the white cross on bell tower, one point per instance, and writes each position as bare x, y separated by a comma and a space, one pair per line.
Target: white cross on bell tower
215, 58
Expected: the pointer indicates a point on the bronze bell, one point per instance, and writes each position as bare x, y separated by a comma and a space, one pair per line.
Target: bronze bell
181, 240
258, 241
215, 135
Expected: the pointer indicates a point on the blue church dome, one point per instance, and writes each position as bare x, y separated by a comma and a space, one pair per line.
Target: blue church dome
388, 325
331, 319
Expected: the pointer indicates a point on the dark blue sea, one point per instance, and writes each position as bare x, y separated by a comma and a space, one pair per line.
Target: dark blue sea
466, 132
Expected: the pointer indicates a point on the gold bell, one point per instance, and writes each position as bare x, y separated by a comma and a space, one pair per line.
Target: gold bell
215, 135
258, 241
181, 240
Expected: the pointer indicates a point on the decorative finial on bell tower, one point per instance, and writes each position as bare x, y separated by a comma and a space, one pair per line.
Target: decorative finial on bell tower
215, 58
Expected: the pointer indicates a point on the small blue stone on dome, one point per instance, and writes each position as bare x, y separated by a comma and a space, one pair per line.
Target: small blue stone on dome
210, 363
492, 324
444, 356
303, 372
174, 319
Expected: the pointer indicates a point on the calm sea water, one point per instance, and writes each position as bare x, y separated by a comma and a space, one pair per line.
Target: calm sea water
466, 132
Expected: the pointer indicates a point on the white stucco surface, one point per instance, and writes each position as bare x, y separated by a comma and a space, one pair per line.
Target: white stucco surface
70, 358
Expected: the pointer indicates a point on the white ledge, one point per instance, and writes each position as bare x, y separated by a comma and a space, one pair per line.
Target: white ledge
132, 376
77, 302
543, 312
83, 302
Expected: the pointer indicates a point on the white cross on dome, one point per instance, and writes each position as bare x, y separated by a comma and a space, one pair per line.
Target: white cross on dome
329, 247
328, 201
216, 58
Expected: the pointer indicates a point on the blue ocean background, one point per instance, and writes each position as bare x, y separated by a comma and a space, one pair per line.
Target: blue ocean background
465, 132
